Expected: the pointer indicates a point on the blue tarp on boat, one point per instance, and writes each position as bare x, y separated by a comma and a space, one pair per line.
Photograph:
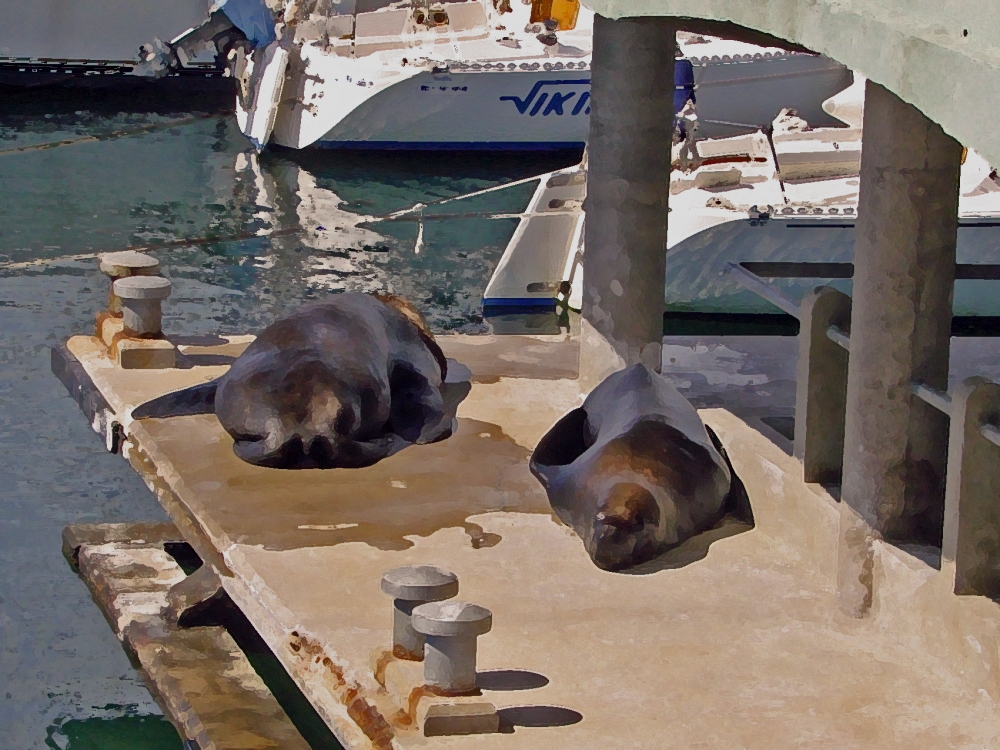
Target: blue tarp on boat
253, 18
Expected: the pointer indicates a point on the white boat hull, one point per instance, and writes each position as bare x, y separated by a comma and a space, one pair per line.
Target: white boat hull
466, 90
542, 265
365, 106
400, 107
541, 261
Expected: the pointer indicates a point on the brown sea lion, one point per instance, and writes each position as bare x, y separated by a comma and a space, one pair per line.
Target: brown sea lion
340, 383
634, 471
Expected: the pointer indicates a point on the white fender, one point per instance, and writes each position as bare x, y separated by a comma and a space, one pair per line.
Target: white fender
267, 94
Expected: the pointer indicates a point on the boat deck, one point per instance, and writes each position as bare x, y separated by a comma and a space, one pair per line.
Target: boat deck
733, 640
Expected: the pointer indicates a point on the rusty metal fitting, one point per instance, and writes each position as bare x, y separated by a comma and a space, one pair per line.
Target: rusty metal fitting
122, 265
450, 630
409, 587
141, 298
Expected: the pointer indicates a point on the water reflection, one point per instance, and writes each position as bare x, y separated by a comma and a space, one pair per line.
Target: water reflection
261, 232
243, 238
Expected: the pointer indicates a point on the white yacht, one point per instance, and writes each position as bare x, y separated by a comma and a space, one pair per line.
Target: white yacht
484, 74
788, 197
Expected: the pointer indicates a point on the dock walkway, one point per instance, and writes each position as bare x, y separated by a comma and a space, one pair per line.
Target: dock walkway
734, 640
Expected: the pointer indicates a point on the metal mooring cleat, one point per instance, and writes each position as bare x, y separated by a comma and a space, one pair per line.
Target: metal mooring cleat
123, 265
412, 586
141, 298
450, 629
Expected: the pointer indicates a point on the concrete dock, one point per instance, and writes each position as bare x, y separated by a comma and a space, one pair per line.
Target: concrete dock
733, 640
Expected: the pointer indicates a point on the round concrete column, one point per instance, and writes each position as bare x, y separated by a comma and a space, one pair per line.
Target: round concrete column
123, 265
628, 180
904, 271
411, 586
141, 298
451, 629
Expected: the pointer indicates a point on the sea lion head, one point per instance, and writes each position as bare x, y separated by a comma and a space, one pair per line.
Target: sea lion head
412, 314
625, 531
408, 309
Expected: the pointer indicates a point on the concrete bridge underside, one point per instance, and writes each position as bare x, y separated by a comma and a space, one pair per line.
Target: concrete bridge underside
941, 57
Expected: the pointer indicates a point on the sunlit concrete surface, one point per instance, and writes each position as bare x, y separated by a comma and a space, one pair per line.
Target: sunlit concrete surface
741, 647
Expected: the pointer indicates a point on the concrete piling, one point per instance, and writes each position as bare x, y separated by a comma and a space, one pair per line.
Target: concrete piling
412, 586
141, 298
631, 128
971, 545
896, 445
450, 629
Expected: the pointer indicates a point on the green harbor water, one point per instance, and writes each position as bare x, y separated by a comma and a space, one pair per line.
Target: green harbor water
242, 238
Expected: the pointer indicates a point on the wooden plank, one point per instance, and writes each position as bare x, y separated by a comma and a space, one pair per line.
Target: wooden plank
199, 677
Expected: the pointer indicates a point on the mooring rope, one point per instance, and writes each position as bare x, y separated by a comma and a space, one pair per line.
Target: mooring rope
421, 206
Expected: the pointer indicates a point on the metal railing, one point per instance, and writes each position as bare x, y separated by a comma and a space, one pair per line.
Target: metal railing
971, 541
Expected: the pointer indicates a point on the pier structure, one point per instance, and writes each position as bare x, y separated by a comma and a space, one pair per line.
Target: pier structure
740, 637
325, 565
887, 446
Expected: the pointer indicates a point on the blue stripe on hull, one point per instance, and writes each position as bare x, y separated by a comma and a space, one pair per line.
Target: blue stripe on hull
453, 146
519, 302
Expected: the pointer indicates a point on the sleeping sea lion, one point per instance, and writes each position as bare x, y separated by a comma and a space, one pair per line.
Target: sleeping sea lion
634, 471
340, 383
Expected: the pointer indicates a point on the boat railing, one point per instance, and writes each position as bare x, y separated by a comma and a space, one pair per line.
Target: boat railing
972, 482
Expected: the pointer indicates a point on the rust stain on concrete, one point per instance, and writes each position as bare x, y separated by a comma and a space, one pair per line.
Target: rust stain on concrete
366, 716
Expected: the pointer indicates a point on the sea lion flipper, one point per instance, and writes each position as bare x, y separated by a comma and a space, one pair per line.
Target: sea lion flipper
737, 501
457, 372
197, 399
565, 442
418, 411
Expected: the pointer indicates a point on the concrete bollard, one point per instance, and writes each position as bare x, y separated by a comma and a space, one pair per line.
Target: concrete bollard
821, 385
123, 265
412, 586
970, 549
450, 630
141, 298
